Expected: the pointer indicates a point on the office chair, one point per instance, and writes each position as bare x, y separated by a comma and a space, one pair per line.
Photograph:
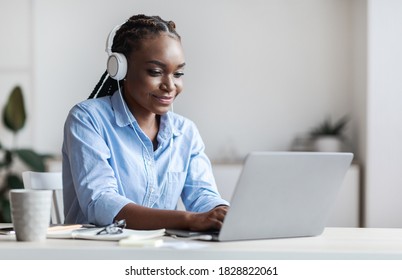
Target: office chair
47, 181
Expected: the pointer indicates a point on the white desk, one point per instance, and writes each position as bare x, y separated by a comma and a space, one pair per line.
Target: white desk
334, 244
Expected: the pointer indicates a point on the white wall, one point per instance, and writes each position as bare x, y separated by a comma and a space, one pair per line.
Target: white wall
258, 72
384, 114
15, 61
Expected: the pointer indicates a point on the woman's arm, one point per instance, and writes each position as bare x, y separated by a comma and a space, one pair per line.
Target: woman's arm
200, 192
140, 217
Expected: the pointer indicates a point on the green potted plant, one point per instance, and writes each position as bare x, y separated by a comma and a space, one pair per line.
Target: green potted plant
329, 136
14, 118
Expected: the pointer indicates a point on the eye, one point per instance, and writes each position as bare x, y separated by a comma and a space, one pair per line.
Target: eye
154, 72
178, 74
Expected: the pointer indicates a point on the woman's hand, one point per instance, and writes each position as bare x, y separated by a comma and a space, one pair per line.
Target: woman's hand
140, 217
211, 220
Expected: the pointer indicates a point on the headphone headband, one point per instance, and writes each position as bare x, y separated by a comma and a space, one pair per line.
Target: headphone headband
116, 62
110, 37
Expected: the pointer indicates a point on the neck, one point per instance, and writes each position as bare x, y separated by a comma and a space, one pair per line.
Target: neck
150, 126
149, 122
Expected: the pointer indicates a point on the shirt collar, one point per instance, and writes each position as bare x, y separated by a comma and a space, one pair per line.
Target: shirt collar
124, 117
119, 108
166, 128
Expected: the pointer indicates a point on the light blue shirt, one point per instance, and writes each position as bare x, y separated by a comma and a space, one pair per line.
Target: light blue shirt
109, 162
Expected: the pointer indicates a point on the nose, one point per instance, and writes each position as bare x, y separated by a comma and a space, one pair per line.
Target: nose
168, 84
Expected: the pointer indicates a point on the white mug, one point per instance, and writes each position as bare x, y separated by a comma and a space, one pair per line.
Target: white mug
30, 213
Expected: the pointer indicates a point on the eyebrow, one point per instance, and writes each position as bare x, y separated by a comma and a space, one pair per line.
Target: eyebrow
156, 62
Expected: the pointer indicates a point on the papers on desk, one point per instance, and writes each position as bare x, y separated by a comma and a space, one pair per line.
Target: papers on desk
91, 233
135, 242
7, 231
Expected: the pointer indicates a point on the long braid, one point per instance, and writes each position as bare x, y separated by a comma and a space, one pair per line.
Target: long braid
98, 85
127, 39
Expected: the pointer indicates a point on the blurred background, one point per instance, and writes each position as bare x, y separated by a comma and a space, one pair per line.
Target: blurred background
260, 75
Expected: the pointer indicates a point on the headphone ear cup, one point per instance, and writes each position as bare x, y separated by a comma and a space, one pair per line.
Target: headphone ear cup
117, 66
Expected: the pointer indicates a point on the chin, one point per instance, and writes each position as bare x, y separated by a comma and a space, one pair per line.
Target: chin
162, 111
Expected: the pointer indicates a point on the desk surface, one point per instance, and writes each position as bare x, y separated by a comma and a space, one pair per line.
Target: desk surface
334, 243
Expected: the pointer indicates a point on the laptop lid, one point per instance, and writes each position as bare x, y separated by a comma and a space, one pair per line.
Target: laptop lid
284, 194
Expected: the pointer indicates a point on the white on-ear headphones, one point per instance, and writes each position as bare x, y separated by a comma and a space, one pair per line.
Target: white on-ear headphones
116, 62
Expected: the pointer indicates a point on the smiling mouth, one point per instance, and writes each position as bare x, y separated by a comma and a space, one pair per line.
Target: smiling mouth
163, 99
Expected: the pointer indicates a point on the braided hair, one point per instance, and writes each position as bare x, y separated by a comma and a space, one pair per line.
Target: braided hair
127, 39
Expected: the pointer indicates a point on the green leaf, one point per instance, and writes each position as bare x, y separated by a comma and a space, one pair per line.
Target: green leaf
32, 159
329, 128
340, 125
14, 182
7, 160
14, 115
5, 211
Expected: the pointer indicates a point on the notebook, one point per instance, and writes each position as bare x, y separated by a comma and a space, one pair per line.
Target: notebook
281, 195
92, 233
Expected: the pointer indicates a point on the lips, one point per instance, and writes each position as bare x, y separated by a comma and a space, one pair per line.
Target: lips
167, 100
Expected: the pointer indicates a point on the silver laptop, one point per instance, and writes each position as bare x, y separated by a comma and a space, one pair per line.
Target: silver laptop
281, 195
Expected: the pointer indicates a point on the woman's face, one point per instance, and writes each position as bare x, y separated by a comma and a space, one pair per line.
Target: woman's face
154, 75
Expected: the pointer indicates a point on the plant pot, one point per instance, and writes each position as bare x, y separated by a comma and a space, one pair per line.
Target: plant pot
328, 144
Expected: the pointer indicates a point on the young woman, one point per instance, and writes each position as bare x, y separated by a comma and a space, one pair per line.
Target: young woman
125, 154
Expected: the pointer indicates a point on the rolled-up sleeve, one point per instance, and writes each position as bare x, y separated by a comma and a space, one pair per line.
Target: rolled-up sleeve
200, 193
90, 185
